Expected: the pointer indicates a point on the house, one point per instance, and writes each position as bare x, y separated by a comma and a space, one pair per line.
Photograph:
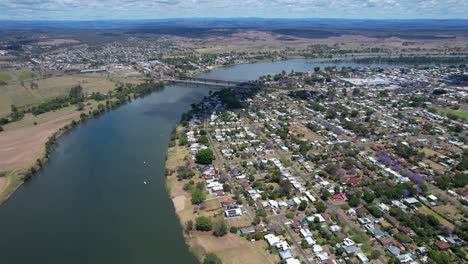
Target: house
407, 231
394, 250
317, 249
442, 245
286, 254
339, 197
272, 239
350, 249
385, 241
247, 230
411, 200
305, 233
274, 228
292, 261
362, 258
406, 258
335, 228
232, 211
454, 240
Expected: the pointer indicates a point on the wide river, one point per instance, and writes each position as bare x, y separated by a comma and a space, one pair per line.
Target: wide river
89, 204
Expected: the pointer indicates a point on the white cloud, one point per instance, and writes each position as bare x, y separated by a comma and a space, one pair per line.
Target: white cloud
122, 9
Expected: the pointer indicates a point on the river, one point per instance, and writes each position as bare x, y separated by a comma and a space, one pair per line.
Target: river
89, 203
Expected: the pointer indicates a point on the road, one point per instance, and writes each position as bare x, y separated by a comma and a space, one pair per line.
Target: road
219, 163
279, 218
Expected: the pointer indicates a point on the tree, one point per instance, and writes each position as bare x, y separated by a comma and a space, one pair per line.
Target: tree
220, 229
356, 91
198, 196
204, 156
330, 114
183, 140
189, 226
203, 140
326, 194
353, 201
321, 207
375, 254
368, 197
302, 205
211, 258
203, 223
233, 229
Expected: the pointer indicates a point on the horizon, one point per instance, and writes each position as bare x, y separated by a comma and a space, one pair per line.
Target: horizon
78, 10
231, 18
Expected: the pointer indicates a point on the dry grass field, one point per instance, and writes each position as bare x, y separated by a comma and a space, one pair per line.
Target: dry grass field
50, 88
21, 147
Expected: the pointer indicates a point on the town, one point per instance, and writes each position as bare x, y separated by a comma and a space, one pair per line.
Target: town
328, 166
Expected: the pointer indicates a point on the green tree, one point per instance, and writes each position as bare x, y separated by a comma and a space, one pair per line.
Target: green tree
203, 223
375, 254
326, 194
204, 156
211, 258
302, 205
321, 207
368, 196
203, 140
198, 196
220, 229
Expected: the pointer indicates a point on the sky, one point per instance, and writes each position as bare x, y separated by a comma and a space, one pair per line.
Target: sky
160, 9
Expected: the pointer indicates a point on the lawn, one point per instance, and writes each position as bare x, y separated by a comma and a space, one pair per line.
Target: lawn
425, 210
461, 113
5, 77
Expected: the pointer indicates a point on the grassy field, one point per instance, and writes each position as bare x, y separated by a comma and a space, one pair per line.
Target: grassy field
5, 77
461, 113
425, 210
50, 88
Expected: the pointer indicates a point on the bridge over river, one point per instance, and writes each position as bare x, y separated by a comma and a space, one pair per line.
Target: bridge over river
224, 83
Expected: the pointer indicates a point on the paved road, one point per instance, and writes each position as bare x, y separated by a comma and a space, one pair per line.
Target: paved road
219, 163
279, 218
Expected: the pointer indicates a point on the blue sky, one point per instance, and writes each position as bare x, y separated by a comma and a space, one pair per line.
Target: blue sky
155, 9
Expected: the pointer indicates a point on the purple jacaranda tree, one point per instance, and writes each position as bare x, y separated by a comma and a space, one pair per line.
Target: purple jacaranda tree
203, 206
419, 191
416, 178
406, 193
224, 177
352, 171
447, 230
337, 131
340, 172
268, 145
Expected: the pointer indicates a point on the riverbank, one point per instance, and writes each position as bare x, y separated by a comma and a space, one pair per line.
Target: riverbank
24, 144
231, 248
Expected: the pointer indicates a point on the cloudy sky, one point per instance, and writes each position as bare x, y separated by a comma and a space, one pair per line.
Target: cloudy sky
153, 9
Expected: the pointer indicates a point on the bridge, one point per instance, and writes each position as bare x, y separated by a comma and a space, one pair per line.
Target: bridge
190, 80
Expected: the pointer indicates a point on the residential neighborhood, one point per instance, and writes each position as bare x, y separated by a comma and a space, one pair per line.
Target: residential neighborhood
336, 166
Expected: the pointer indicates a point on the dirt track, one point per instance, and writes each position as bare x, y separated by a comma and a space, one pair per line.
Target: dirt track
21, 147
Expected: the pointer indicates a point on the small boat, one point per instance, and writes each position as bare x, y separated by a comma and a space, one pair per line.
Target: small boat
144, 182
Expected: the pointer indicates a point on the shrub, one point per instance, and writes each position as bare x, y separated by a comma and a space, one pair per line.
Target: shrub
203, 223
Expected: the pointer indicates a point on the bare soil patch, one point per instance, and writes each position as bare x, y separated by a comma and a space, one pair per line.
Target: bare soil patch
179, 203
21, 147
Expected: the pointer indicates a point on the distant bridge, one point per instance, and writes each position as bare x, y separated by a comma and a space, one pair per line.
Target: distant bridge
204, 81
